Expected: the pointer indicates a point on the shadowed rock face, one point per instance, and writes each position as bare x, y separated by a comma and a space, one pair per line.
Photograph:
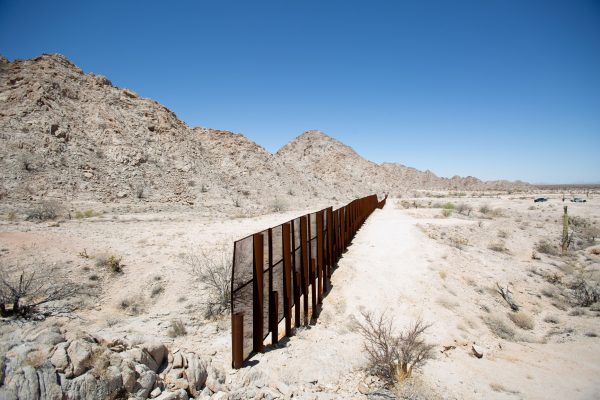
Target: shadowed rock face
75, 136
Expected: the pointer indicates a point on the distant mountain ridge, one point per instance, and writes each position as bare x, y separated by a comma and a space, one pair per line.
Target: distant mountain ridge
75, 136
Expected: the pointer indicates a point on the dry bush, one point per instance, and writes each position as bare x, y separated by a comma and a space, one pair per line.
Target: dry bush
595, 251
446, 212
498, 246
463, 208
552, 319
213, 271
500, 327
111, 262
176, 329
458, 241
131, 305
545, 247
553, 277
502, 234
44, 211
485, 209
25, 290
522, 320
394, 355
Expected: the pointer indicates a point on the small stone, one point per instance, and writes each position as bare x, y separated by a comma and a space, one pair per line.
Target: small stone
363, 388
477, 351
155, 392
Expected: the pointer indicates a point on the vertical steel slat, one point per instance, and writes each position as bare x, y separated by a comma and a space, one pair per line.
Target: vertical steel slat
257, 305
305, 262
287, 277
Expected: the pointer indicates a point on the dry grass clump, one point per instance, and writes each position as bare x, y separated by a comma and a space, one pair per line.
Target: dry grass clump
458, 241
394, 355
177, 328
498, 246
553, 277
502, 234
446, 212
85, 214
522, 320
500, 327
131, 305
545, 247
552, 319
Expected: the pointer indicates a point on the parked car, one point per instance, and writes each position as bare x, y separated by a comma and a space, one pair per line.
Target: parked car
578, 200
540, 200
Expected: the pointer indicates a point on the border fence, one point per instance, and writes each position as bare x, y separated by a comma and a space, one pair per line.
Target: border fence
282, 273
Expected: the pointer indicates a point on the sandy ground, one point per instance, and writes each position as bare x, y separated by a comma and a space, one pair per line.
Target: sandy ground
408, 263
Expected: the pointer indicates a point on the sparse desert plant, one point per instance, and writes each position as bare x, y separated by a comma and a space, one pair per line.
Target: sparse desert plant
448, 206
26, 289
499, 327
502, 234
111, 262
85, 214
552, 319
131, 305
140, 191
446, 212
522, 320
498, 246
463, 208
394, 355
176, 328
11, 216
156, 289
485, 209
553, 277
595, 251
458, 241
545, 247
44, 211
535, 256
213, 271
203, 188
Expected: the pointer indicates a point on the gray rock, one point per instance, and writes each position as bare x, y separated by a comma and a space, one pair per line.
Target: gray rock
49, 336
176, 395
216, 379
140, 356
196, 372
48, 382
477, 351
155, 393
177, 360
145, 384
80, 352
128, 377
221, 396
59, 359
157, 351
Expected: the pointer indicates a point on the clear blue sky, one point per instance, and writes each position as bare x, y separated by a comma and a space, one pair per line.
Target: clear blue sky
495, 88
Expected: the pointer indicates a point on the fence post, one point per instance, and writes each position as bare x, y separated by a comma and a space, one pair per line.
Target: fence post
237, 339
274, 316
320, 264
305, 262
258, 303
313, 291
329, 244
287, 277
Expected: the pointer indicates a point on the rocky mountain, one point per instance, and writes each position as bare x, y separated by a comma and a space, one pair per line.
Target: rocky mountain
73, 136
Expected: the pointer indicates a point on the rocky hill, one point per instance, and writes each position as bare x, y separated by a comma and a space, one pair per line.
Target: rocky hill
73, 136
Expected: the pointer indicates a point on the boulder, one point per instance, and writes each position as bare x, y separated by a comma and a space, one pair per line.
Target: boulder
176, 395
80, 352
128, 377
157, 351
215, 380
145, 384
140, 356
59, 359
196, 372
48, 385
49, 336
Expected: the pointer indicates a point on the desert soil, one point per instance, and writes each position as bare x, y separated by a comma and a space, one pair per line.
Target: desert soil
407, 262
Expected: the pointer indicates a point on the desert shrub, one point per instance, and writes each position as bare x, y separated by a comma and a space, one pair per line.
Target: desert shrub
85, 214
585, 293
552, 319
213, 271
448, 206
522, 320
463, 208
553, 277
595, 251
156, 290
394, 355
203, 188
131, 305
44, 211
25, 290
545, 247
446, 212
502, 234
237, 202
111, 262
176, 328
499, 327
498, 246
140, 191
246, 193
485, 209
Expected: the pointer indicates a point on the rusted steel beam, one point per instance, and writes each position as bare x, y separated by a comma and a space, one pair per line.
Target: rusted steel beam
237, 339
330, 262
305, 263
287, 277
258, 300
320, 257
273, 317
297, 294
313, 271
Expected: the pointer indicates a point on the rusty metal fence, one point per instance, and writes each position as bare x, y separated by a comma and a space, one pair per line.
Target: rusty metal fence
282, 273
